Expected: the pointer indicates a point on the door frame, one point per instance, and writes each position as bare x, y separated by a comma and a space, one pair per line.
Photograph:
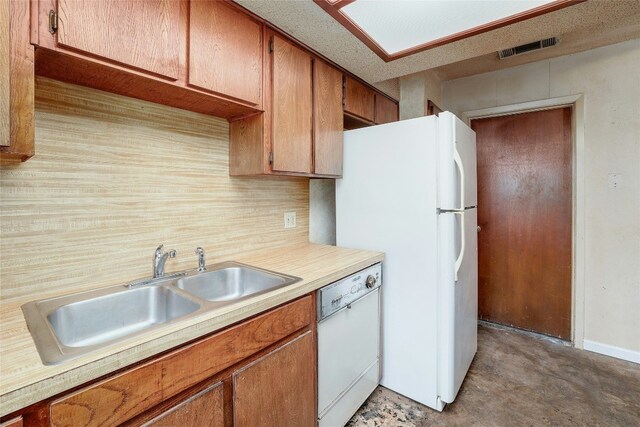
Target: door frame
576, 102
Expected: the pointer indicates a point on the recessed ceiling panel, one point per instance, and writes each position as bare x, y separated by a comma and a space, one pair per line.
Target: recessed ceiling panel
397, 28
400, 25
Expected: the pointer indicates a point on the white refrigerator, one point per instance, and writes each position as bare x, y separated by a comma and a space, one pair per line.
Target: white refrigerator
409, 190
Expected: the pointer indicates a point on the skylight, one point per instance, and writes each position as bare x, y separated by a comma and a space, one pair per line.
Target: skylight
395, 28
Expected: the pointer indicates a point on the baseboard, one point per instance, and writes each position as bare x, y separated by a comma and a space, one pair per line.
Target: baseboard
613, 351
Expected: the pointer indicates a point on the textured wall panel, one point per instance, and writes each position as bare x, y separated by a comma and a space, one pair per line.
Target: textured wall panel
112, 178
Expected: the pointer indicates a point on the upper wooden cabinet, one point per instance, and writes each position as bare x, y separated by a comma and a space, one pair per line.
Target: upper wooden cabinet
386, 110
327, 123
359, 100
283, 139
292, 102
141, 34
195, 55
212, 57
17, 122
225, 53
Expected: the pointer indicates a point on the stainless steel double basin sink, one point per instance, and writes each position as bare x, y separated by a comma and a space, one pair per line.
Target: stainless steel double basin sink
69, 326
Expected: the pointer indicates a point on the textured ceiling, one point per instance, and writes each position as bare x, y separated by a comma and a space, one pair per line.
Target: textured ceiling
307, 22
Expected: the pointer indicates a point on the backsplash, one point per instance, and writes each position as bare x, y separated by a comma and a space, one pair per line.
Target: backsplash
112, 178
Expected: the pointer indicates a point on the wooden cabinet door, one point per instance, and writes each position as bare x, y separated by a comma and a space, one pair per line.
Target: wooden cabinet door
141, 34
327, 119
386, 110
225, 51
5, 54
202, 409
16, 422
525, 213
359, 99
278, 389
292, 96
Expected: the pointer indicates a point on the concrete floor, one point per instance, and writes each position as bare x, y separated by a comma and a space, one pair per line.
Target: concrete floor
520, 379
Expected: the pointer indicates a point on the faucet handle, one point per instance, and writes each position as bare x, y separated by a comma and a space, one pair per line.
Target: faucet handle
201, 259
172, 253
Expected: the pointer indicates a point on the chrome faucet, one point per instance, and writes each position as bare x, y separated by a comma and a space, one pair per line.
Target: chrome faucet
159, 259
200, 252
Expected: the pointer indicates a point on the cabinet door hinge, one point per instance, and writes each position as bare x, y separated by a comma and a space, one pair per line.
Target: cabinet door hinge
53, 21
271, 157
271, 46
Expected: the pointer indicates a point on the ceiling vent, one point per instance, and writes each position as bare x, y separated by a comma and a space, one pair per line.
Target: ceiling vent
529, 47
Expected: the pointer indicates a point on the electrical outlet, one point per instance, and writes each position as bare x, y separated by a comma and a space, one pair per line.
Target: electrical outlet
289, 220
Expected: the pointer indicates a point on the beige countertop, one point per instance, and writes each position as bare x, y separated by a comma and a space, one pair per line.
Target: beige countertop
24, 380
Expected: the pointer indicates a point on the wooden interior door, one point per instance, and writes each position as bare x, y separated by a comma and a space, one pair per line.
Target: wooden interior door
278, 389
141, 34
292, 107
524, 214
327, 119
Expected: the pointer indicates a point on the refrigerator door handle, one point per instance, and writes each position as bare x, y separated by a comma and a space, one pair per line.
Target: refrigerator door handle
458, 161
462, 244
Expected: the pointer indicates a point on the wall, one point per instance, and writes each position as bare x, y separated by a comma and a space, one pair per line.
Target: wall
322, 211
112, 178
608, 79
415, 90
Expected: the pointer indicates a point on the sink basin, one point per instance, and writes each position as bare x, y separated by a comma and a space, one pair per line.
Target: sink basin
102, 319
232, 281
68, 326
73, 325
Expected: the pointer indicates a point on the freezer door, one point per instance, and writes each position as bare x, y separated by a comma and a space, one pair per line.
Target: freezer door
458, 317
457, 187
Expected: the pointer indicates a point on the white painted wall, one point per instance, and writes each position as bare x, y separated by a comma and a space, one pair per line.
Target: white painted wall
609, 80
415, 90
322, 211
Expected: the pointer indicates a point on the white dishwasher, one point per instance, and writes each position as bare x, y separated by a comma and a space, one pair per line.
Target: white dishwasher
348, 345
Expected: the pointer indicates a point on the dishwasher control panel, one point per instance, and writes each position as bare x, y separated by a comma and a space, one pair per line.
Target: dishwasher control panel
340, 294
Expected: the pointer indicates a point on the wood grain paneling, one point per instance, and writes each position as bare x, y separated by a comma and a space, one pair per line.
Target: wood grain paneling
5, 51
386, 110
279, 389
327, 119
225, 54
114, 177
20, 118
524, 211
204, 409
292, 107
130, 393
142, 34
359, 99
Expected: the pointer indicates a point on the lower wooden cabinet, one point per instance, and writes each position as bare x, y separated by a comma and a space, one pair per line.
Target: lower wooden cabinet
261, 371
279, 388
205, 408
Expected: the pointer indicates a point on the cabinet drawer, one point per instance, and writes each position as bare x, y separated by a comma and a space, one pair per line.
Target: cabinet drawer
125, 395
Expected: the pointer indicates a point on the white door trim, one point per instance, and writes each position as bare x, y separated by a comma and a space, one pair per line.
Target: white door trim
578, 190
